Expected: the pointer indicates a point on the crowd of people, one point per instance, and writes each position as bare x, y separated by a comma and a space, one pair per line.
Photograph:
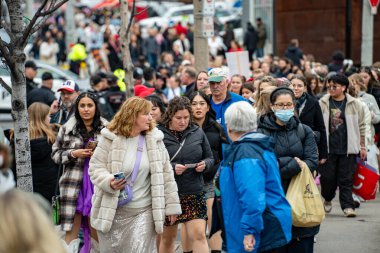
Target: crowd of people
211, 150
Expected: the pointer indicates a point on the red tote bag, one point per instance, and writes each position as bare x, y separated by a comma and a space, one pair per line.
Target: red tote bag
366, 181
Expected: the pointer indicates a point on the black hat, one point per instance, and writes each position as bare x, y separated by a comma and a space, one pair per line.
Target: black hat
31, 64
111, 79
46, 76
281, 90
95, 79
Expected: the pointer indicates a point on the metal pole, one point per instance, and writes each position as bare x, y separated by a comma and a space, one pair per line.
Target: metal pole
247, 14
70, 23
200, 42
367, 35
348, 29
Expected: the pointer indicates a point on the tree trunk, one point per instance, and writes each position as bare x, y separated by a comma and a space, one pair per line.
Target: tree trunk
125, 40
19, 110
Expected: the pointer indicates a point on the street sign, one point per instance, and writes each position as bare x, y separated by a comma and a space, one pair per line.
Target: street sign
208, 8
374, 4
208, 26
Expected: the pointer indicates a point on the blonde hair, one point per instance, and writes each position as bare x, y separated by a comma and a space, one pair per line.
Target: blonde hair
24, 226
266, 79
125, 119
37, 125
263, 104
356, 79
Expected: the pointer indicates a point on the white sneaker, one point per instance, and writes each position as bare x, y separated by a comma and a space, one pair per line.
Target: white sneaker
349, 212
328, 206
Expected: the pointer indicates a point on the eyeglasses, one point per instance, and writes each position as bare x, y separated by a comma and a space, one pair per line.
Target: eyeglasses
283, 106
333, 87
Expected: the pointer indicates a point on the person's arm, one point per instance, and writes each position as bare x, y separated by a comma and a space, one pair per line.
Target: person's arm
320, 127
375, 111
59, 154
250, 189
172, 204
208, 157
98, 170
310, 149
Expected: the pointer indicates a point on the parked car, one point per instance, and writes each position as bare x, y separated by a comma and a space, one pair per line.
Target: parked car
185, 14
59, 76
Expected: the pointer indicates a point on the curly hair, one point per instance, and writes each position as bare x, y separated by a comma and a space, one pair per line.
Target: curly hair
125, 119
175, 105
96, 122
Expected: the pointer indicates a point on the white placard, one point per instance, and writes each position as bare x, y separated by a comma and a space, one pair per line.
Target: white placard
208, 8
207, 27
238, 63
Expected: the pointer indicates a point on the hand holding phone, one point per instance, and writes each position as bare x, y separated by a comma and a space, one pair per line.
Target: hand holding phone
91, 145
118, 183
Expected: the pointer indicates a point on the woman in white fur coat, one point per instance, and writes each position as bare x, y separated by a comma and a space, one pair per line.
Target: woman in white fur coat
132, 226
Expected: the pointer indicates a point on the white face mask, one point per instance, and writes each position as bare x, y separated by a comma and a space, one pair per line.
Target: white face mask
1, 160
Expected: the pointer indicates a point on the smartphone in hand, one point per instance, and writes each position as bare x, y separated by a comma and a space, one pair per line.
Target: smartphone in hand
119, 175
91, 145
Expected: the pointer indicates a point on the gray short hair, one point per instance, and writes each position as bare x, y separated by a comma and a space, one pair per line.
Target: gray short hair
241, 117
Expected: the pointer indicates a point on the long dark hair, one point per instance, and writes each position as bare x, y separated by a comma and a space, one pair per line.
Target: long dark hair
96, 122
211, 113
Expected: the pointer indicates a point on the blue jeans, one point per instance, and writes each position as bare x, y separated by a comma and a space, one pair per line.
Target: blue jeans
259, 52
299, 245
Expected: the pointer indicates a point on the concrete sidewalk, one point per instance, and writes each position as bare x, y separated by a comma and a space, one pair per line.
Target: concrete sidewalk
339, 234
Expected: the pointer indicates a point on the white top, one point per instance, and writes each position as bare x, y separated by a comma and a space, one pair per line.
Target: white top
141, 188
7, 182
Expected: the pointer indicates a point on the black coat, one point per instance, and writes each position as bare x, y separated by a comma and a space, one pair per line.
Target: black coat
44, 170
311, 115
287, 146
216, 137
295, 54
43, 95
195, 149
251, 38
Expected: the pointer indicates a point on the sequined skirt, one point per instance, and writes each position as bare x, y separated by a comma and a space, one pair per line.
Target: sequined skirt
193, 207
132, 231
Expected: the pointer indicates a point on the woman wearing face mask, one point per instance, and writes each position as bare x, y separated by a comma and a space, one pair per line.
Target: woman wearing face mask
293, 142
310, 113
190, 155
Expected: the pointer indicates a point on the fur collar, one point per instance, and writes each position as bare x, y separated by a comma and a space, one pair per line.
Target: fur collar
154, 134
69, 126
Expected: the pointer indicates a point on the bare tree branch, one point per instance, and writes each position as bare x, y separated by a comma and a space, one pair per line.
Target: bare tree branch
5, 85
53, 9
28, 29
32, 27
4, 49
138, 13
131, 17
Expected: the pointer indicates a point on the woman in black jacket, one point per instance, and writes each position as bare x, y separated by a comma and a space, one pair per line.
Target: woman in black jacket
190, 155
293, 142
204, 117
42, 137
310, 114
